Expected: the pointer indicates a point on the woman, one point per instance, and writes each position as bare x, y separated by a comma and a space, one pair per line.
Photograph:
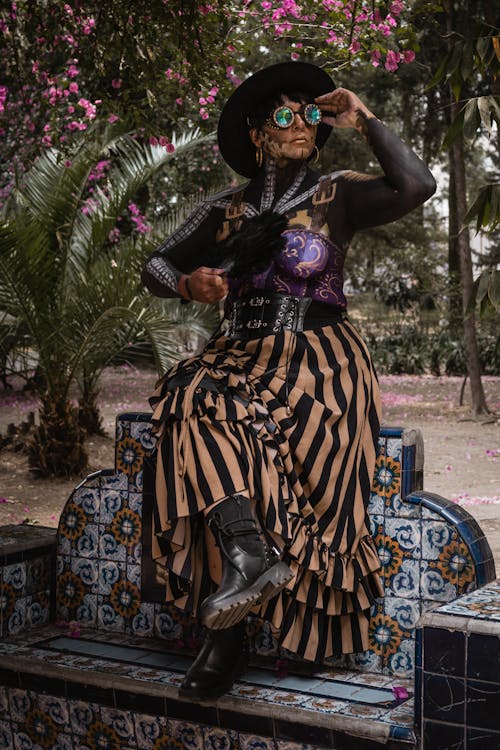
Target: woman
266, 441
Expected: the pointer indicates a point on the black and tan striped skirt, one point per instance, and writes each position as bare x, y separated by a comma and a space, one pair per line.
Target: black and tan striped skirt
292, 422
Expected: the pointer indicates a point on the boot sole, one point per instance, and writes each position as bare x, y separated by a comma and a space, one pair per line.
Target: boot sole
270, 583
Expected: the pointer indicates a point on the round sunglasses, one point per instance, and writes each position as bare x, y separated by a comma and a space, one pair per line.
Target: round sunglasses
283, 116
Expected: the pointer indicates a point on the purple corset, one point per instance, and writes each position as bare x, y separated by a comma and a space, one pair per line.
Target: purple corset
310, 265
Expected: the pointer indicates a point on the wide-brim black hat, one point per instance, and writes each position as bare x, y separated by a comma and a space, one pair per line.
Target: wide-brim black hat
234, 141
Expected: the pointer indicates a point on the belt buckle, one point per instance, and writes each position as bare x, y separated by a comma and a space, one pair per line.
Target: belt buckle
256, 301
324, 196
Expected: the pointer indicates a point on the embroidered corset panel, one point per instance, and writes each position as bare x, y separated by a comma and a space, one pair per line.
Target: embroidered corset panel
310, 265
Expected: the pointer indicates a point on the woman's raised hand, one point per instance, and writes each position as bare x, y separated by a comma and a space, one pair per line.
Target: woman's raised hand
343, 109
204, 285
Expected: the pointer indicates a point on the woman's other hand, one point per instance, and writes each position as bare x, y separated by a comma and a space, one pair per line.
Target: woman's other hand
204, 285
343, 109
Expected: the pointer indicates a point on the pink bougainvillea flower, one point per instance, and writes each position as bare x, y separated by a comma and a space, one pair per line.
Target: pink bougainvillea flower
400, 692
113, 118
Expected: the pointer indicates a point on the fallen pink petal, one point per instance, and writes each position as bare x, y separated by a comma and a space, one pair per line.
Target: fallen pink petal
400, 692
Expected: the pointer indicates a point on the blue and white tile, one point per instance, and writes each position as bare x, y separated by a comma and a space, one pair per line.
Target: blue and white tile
148, 729
166, 626
37, 612
22, 740
15, 576
251, 692
363, 711
134, 574
288, 745
367, 661
82, 715
21, 703
121, 721
141, 431
376, 505
435, 536
135, 502
406, 532
143, 622
402, 663
88, 498
6, 737
406, 612
254, 742
57, 709
87, 571
219, 739
117, 482
433, 586
64, 742
112, 500
324, 705
287, 698
18, 619
110, 548
190, 734
134, 553
110, 572
86, 613
87, 545
406, 582
107, 618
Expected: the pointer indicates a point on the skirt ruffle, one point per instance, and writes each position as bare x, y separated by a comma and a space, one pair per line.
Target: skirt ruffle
292, 422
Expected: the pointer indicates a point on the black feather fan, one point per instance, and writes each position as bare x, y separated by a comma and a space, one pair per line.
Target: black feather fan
252, 248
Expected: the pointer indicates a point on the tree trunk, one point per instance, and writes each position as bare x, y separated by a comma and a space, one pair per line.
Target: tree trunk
459, 201
454, 291
478, 400
56, 448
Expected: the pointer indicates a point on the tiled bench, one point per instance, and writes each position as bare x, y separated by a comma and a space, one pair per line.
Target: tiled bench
104, 672
457, 681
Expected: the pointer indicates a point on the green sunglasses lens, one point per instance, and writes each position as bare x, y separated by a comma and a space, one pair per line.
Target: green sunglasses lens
283, 117
312, 114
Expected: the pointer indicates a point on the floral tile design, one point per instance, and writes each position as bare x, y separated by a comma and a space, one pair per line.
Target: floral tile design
425, 560
482, 604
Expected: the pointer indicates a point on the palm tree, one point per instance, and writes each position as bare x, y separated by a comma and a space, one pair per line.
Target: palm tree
79, 300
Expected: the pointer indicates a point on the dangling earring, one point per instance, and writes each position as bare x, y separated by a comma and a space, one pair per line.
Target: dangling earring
316, 158
258, 157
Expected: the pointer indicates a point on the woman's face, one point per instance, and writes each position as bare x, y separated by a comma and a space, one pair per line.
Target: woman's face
287, 144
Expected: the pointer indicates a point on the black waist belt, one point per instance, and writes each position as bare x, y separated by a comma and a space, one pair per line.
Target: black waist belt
267, 314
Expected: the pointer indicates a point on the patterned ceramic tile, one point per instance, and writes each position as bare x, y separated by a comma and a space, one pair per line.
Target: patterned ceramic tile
6, 738
148, 730
253, 742
120, 721
82, 715
482, 604
219, 739
189, 734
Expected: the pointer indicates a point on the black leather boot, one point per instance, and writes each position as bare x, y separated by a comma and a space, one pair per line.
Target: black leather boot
222, 659
251, 573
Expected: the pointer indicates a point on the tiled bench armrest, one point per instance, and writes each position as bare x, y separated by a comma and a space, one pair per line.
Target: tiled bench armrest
457, 681
27, 577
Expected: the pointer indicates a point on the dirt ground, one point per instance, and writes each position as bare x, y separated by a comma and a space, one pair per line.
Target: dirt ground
462, 458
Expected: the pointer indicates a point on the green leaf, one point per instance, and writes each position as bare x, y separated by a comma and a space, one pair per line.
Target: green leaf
483, 45
471, 118
484, 108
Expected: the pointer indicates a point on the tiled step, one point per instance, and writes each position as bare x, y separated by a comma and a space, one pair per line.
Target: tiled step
138, 679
